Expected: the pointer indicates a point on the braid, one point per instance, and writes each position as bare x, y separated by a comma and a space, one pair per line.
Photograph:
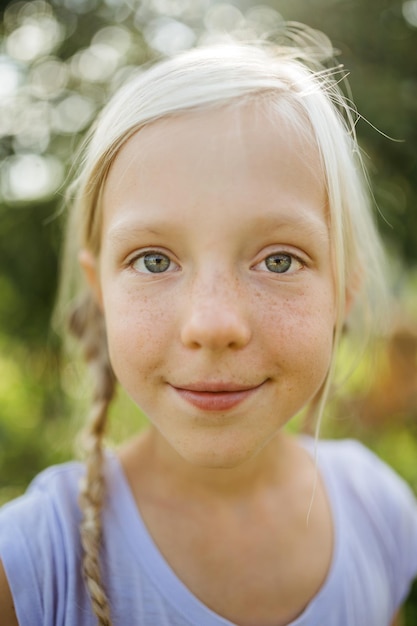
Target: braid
87, 324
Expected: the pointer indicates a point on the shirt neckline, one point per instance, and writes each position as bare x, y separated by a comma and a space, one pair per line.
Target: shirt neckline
143, 548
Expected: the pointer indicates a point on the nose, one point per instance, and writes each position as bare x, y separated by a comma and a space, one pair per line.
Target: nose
215, 318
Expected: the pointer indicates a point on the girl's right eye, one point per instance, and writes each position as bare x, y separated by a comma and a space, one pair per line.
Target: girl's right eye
153, 263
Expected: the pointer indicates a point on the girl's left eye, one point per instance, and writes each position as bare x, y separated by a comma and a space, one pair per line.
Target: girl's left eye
281, 263
153, 263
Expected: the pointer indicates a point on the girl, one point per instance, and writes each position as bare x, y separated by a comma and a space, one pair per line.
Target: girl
225, 239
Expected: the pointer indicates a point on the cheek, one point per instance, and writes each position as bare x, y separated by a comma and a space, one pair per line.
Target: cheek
137, 331
301, 331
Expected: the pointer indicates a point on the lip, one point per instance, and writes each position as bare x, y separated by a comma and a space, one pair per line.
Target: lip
216, 396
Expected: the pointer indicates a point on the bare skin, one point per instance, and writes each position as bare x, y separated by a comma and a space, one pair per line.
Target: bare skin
216, 280
7, 610
220, 350
8, 613
235, 547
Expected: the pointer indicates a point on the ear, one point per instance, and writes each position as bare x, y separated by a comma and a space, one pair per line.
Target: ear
90, 268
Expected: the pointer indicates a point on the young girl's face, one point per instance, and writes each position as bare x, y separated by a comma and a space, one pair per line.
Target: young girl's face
216, 280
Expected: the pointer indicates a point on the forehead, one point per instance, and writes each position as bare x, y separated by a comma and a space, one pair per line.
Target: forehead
251, 153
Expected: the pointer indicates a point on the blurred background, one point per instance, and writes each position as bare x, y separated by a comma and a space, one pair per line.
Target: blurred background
59, 62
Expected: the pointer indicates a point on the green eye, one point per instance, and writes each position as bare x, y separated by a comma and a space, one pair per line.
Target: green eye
153, 262
278, 263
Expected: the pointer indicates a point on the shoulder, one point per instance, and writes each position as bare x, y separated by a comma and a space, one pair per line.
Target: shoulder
365, 474
53, 491
365, 480
367, 488
378, 508
39, 543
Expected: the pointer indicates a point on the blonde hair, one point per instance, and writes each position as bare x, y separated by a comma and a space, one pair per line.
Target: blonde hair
291, 77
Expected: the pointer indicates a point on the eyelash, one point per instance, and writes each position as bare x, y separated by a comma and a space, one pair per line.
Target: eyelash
279, 256
151, 253
294, 260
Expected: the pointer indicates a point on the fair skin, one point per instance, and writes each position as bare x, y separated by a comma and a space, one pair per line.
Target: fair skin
230, 340
218, 203
220, 349
226, 350
8, 613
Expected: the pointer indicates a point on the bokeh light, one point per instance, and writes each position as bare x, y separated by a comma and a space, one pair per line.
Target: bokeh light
409, 9
30, 176
11, 76
34, 38
168, 36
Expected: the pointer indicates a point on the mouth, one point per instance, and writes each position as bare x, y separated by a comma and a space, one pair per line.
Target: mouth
216, 396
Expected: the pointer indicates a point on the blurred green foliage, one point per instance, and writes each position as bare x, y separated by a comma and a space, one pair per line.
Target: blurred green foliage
59, 62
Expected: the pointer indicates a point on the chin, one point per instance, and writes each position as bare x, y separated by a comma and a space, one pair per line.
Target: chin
217, 455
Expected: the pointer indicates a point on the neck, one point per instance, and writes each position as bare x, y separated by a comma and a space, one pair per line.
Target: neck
150, 460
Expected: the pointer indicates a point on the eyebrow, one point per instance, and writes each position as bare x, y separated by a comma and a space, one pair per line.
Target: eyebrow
307, 223
124, 228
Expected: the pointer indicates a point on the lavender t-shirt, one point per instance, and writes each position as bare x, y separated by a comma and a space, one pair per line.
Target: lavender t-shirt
373, 565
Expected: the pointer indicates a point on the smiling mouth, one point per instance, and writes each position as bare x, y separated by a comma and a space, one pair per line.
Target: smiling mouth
216, 396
